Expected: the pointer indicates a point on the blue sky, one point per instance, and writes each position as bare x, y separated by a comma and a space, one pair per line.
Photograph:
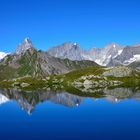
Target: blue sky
91, 23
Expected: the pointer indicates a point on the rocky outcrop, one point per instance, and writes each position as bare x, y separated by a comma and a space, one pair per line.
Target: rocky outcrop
118, 72
92, 81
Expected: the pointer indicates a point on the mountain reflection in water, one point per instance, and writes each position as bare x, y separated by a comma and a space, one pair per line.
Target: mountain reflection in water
29, 99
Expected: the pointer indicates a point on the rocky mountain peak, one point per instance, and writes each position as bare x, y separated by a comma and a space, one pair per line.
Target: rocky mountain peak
113, 46
25, 45
68, 50
27, 40
76, 46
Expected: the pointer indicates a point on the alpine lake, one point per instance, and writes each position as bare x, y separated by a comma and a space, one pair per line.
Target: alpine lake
107, 114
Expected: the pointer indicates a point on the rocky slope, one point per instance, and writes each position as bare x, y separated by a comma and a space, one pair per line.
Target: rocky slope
135, 65
68, 50
129, 55
106, 54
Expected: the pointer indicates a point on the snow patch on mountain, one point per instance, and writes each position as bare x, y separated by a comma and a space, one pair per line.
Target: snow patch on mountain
120, 51
133, 59
2, 55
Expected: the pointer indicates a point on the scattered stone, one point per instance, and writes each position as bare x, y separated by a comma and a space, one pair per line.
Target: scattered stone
87, 84
24, 85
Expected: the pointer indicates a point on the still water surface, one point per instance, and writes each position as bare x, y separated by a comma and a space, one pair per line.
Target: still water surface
61, 115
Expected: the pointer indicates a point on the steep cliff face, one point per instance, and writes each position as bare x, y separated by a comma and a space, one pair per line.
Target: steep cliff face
128, 56
68, 50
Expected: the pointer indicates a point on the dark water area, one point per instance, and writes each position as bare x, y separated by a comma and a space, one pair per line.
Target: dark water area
61, 115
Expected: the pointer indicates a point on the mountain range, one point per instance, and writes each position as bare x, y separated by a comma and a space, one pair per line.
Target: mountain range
28, 61
111, 55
